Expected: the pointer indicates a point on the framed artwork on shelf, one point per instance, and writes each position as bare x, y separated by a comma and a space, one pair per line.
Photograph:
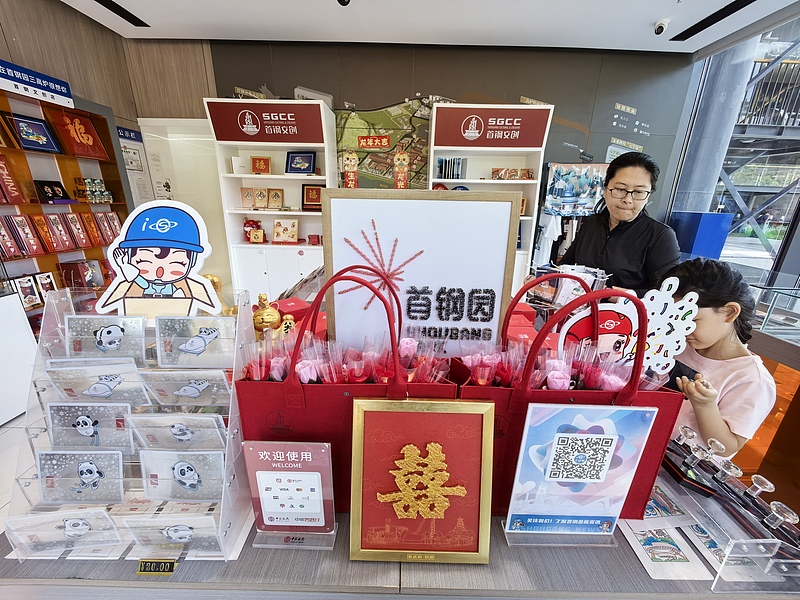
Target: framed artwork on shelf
285, 230
27, 291
312, 197
33, 134
257, 236
302, 163
260, 198
247, 197
78, 135
45, 282
275, 198
421, 490
52, 192
260, 165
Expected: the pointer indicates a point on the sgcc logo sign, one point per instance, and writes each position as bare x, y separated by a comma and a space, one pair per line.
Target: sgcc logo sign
472, 127
248, 122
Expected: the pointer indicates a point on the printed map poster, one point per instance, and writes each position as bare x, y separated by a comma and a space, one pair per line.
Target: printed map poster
575, 467
375, 143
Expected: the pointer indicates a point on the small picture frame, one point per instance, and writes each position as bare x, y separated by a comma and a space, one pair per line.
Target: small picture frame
260, 165
248, 199
275, 198
260, 198
285, 230
526, 174
302, 163
257, 236
46, 282
33, 134
312, 197
27, 291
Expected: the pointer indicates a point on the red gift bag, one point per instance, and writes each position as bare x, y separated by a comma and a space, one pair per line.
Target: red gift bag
511, 406
292, 411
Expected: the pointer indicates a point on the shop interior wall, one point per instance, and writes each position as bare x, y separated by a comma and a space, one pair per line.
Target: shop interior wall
583, 85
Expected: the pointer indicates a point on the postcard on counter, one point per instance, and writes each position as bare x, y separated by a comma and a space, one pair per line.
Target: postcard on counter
95, 425
106, 336
178, 431
195, 342
187, 476
80, 477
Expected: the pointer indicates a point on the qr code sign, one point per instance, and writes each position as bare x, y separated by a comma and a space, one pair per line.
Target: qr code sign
580, 457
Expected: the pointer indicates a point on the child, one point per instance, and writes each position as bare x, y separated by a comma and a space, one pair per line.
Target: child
732, 392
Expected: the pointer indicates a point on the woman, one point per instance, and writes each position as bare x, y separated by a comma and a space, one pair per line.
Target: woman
622, 239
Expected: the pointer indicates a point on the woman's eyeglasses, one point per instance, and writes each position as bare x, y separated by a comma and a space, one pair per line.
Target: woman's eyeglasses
621, 193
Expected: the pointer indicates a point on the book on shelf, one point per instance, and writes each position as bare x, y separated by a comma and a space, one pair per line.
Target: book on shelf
451, 168
104, 227
8, 243
59, 233
43, 231
22, 229
115, 222
75, 228
11, 191
90, 227
240, 166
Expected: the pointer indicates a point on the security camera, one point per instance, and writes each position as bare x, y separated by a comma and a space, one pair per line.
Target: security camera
343, 2
660, 27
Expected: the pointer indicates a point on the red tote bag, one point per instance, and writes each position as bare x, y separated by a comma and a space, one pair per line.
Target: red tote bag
511, 406
292, 411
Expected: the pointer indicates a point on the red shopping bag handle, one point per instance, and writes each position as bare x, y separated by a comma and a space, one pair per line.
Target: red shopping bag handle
533, 283
522, 393
354, 269
293, 389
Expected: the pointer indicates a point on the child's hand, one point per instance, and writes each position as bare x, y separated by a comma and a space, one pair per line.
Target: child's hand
699, 391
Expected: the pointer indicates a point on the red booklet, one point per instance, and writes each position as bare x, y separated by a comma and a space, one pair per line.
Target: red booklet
104, 227
11, 191
59, 233
116, 225
75, 225
23, 230
8, 244
90, 227
40, 224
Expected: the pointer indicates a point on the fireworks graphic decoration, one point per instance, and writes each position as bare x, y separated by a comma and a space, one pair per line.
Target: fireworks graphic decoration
378, 262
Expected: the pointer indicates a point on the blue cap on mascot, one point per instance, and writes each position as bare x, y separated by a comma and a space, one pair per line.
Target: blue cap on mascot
163, 227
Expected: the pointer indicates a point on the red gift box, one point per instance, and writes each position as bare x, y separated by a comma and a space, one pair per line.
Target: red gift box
292, 306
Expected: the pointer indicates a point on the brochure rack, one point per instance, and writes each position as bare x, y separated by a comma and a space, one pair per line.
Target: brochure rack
122, 501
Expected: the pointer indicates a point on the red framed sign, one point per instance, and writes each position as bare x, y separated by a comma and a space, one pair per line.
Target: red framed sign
504, 126
266, 121
291, 486
421, 484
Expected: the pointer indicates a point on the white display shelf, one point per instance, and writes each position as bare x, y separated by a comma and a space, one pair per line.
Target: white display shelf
480, 160
309, 178
491, 181
269, 268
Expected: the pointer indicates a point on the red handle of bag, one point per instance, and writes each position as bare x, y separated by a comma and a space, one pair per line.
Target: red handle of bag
389, 285
522, 393
293, 389
533, 283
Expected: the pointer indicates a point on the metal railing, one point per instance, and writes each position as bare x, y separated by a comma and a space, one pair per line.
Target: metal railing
775, 99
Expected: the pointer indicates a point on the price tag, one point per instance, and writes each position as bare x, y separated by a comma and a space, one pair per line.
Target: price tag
156, 566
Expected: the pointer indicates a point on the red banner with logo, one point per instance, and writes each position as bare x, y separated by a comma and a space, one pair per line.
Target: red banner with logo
523, 127
289, 123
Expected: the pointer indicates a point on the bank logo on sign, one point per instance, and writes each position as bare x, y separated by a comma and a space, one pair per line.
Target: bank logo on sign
472, 127
248, 122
